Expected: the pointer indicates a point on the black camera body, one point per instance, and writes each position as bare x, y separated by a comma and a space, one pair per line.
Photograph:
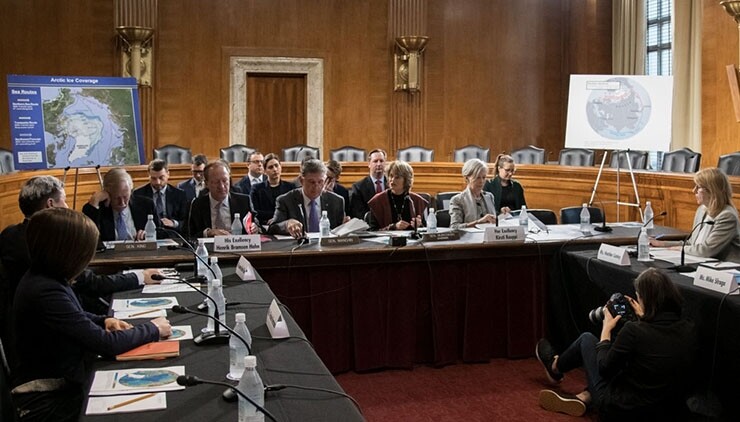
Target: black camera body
617, 305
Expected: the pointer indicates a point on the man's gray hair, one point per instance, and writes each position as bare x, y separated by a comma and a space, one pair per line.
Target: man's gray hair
115, 177
36, 191
312, 166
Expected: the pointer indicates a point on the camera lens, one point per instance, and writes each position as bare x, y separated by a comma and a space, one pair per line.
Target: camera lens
596, 316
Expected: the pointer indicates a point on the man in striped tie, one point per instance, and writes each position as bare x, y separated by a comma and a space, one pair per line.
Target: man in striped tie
170, 202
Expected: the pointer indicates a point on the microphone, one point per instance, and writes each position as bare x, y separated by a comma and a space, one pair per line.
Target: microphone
303, 239
190, 380
603, 228
412, 211
217, 337
654, 217
683, 268
183, 310
190, 213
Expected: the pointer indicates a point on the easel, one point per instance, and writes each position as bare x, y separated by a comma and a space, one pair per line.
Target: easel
77, 176
619, 168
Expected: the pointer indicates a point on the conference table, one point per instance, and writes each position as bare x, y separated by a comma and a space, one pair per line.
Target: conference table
279, 361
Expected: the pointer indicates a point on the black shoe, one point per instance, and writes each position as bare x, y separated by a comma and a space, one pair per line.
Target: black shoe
546, 355
562, 403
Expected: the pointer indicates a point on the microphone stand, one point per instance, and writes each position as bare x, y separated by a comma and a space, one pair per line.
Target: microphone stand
412, 211
303, 240
216, 337
603, 228
189, 380
683, 268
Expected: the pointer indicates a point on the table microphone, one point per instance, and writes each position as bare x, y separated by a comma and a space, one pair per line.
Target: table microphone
303, 240
603, 228
217, 337
654, 217
412, 212
190, 380
683, 268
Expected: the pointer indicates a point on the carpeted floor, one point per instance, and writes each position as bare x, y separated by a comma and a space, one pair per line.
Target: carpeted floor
502, 390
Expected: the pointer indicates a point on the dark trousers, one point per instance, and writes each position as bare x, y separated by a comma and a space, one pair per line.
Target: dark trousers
57, 406
582, 354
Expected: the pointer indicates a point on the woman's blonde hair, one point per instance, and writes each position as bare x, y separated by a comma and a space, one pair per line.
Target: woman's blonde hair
401, 169
474, 167
717, 186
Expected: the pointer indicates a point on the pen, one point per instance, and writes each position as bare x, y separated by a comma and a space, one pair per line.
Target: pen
127, 402
146, 312
115, 379
660, 236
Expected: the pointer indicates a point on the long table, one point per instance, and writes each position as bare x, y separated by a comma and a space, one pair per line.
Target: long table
580, 282
286, 361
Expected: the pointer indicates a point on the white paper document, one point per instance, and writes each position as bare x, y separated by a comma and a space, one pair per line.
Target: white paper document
146, 313
144, 303
126, 404
674, 256
180, 332
353, 225
168, 288
137, 380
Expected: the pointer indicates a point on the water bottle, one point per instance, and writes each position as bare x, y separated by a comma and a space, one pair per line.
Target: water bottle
648, 216
201, 263
585, 219
216, 269
237, 349
324, 225
523, 217
217, 293
643, 246
251, 385
431, 221
150, 229
236, 225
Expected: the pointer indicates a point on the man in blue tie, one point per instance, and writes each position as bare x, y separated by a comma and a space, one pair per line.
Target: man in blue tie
170, 202
300, 209
363, 190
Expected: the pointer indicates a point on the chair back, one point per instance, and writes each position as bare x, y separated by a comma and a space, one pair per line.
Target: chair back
572, 215
237, 153
415, 154
468, 152
443, 200
7, 165
529, 155
730, 164
300, 152
681, 161
546, 216
348, 153
576, 157
443, 218
638, 159
173, 154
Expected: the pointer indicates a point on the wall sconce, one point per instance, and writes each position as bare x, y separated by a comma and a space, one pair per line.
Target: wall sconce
733, 9
136, 57
406, 64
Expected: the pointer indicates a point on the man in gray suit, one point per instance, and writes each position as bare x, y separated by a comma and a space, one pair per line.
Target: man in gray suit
299, 210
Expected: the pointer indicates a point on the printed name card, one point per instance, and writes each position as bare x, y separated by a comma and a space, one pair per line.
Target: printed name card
441, 236
237, 243
719, 281
339, 240
613, 254
136, 246
275, 322
504, 234
245, 270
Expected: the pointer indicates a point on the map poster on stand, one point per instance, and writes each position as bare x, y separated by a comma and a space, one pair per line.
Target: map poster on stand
74, 121
619, 112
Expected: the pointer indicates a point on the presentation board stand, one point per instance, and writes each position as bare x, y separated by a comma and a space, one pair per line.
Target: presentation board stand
619, 190
77, 176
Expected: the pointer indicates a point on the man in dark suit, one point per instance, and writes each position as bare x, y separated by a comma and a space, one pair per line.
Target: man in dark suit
170, 202
364, 190
118, 215
300, 209
196, 184
213, 213
255, 174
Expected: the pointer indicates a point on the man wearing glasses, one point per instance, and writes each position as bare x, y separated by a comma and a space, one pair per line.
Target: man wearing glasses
255, 174
194, 186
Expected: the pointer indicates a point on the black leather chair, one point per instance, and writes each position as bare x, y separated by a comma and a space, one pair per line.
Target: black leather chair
348, 153
638, 159
174, 154
236, 153
572, 215
427, 197
468, 152
730, 164
529, 155
683, 160
415, 154
546, 216
300, 152
443, 199
7, 165
576, 157
443, 218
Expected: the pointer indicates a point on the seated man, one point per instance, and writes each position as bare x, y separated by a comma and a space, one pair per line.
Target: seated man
170, 202
213, 214
255, 174
299, 210
196, 184
363, 190
118, 215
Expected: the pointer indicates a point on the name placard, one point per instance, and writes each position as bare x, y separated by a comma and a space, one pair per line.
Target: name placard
136, 246
504, 234
339, 240
719, 281
613, 254
441, 236
237, 243
275, 322
245, 270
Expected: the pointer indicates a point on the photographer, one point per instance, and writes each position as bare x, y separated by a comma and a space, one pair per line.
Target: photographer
641, 372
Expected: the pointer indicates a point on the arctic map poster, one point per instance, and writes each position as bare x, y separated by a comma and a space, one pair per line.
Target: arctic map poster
619, 112
74, 121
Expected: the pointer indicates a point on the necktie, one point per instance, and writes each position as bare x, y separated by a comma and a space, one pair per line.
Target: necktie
159, 204
121, 229
219, 222
313, 217
378, 186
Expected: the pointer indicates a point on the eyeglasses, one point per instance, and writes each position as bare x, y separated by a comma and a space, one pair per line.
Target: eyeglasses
197, 171
257, 161
511, 170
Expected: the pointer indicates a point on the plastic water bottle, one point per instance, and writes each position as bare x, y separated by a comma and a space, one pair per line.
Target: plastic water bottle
217, 293
236, 225
523, 217
431, 221
324, 225
648, 216
237, 350
251, 385
150, 229
201, 264
585, 219
215, 269
643, 246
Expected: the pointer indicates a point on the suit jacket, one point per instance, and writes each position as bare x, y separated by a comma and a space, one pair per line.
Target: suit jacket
380, 209
494, 186
360, 194
720, 240
200, 219
344, 193
139, 206
463, 207
188, 186
290, 205
244, 185
49, 306
264, 202
176, 203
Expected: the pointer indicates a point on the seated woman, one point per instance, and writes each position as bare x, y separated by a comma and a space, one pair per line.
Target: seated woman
397, 208
55, 340
264, 194
716, 227
507, 192
472, 206
640, 373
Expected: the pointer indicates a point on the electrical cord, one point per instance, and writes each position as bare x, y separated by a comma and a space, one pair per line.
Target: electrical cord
278, 387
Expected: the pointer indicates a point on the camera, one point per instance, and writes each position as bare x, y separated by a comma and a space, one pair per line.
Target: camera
617, 305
